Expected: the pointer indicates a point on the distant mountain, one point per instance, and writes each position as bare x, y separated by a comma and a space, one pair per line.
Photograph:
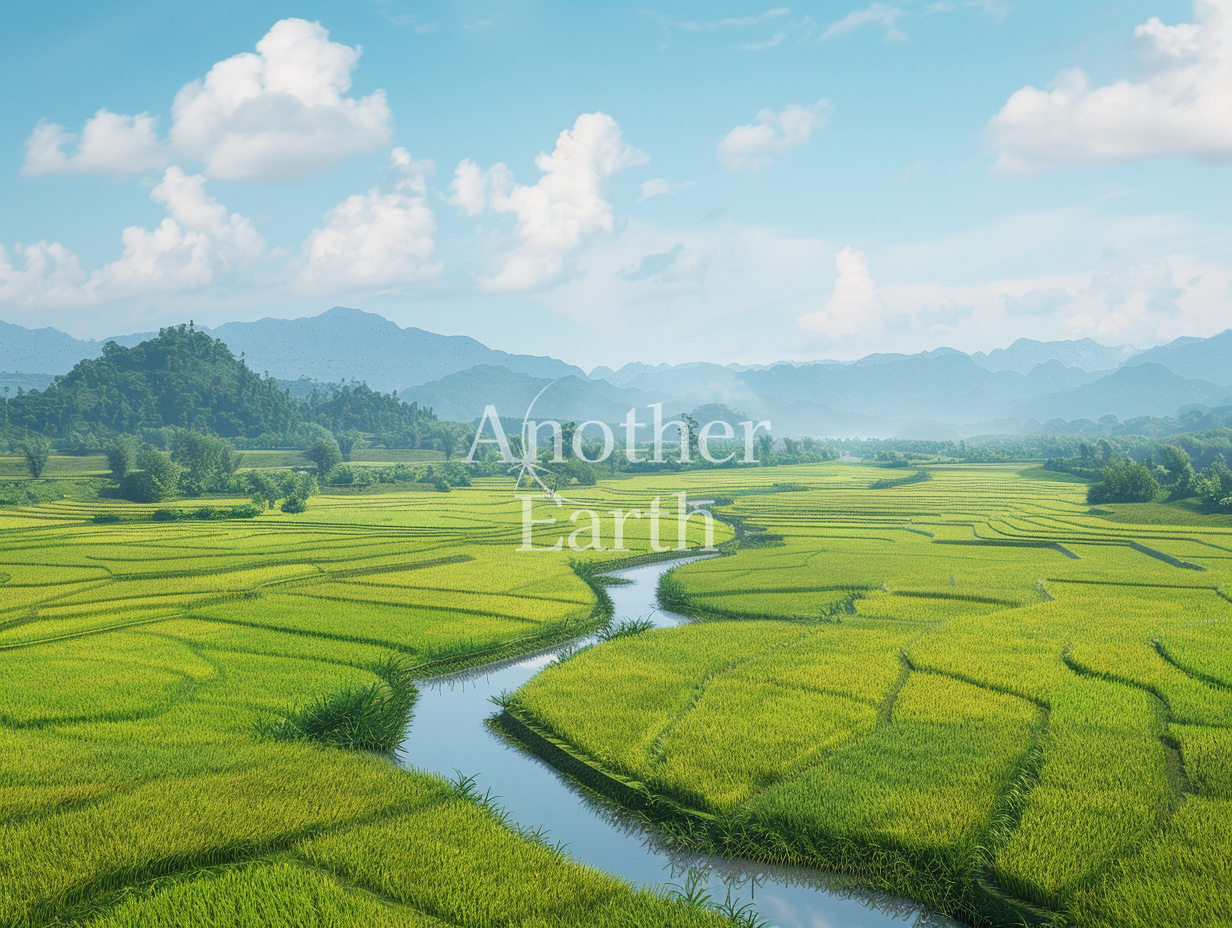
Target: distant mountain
626, 373
1132, 391
1195, 358
461, 397
44, 351
937, 392
945, 386
351, 344
1025, 353
12, 381
341, 344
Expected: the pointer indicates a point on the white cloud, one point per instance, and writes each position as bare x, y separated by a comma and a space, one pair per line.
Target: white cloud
279, 114
109, 143
557, 213
879, 14
718, 290
655, 187
754, 146
46, 276
854, 305
733, 22
1182, 106
659, 186
721, 291
196, 243
379, 239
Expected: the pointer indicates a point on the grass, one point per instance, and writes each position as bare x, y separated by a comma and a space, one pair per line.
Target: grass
1181, 512
358, 718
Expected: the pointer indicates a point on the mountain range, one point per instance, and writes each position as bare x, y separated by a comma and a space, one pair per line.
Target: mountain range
942, 393
340, 344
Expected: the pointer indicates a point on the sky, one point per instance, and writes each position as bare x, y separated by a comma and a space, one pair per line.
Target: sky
606, 183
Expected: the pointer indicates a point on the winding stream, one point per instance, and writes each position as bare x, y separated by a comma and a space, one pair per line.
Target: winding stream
447, 734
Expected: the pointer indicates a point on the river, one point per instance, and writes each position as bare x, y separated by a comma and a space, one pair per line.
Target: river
448, 735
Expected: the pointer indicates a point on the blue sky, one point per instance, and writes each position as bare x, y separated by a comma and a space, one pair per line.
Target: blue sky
735, 182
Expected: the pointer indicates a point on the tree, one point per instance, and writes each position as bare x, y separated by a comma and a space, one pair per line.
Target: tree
765, 447
157, 479
1175, 461
693, 446
1178, 466
263, 487
37, 450
1215, 485
346, 442
325, 454
205, 458
449, 443
296, 488
121, 456
1125, 483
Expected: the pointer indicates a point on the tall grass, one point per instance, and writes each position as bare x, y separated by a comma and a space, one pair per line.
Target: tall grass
357, 718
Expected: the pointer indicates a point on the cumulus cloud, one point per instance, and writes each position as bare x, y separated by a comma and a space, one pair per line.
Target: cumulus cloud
755, 146
109, 143
853, 305
1181, 107
556, 214
379, 239
279, 114
46, 275
197, 242
879, 14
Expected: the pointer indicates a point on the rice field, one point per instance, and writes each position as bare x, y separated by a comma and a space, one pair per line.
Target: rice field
145, 668
970, 690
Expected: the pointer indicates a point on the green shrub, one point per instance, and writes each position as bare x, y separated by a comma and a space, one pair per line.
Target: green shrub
165, 515
106, 518
157, 480
205, 512
245, 511
294, 505
1125, 483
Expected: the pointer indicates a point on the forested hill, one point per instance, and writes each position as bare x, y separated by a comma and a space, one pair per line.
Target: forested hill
357, 408
187, 379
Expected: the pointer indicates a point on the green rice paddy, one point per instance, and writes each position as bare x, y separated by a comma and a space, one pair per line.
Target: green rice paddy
177, 700
968, 690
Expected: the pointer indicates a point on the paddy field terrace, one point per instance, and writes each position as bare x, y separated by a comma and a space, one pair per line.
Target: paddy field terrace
969, 690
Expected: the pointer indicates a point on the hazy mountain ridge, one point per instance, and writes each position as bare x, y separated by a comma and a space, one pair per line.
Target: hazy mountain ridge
340, 344
1193, 358
463, 396
938, 392
1025, 353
